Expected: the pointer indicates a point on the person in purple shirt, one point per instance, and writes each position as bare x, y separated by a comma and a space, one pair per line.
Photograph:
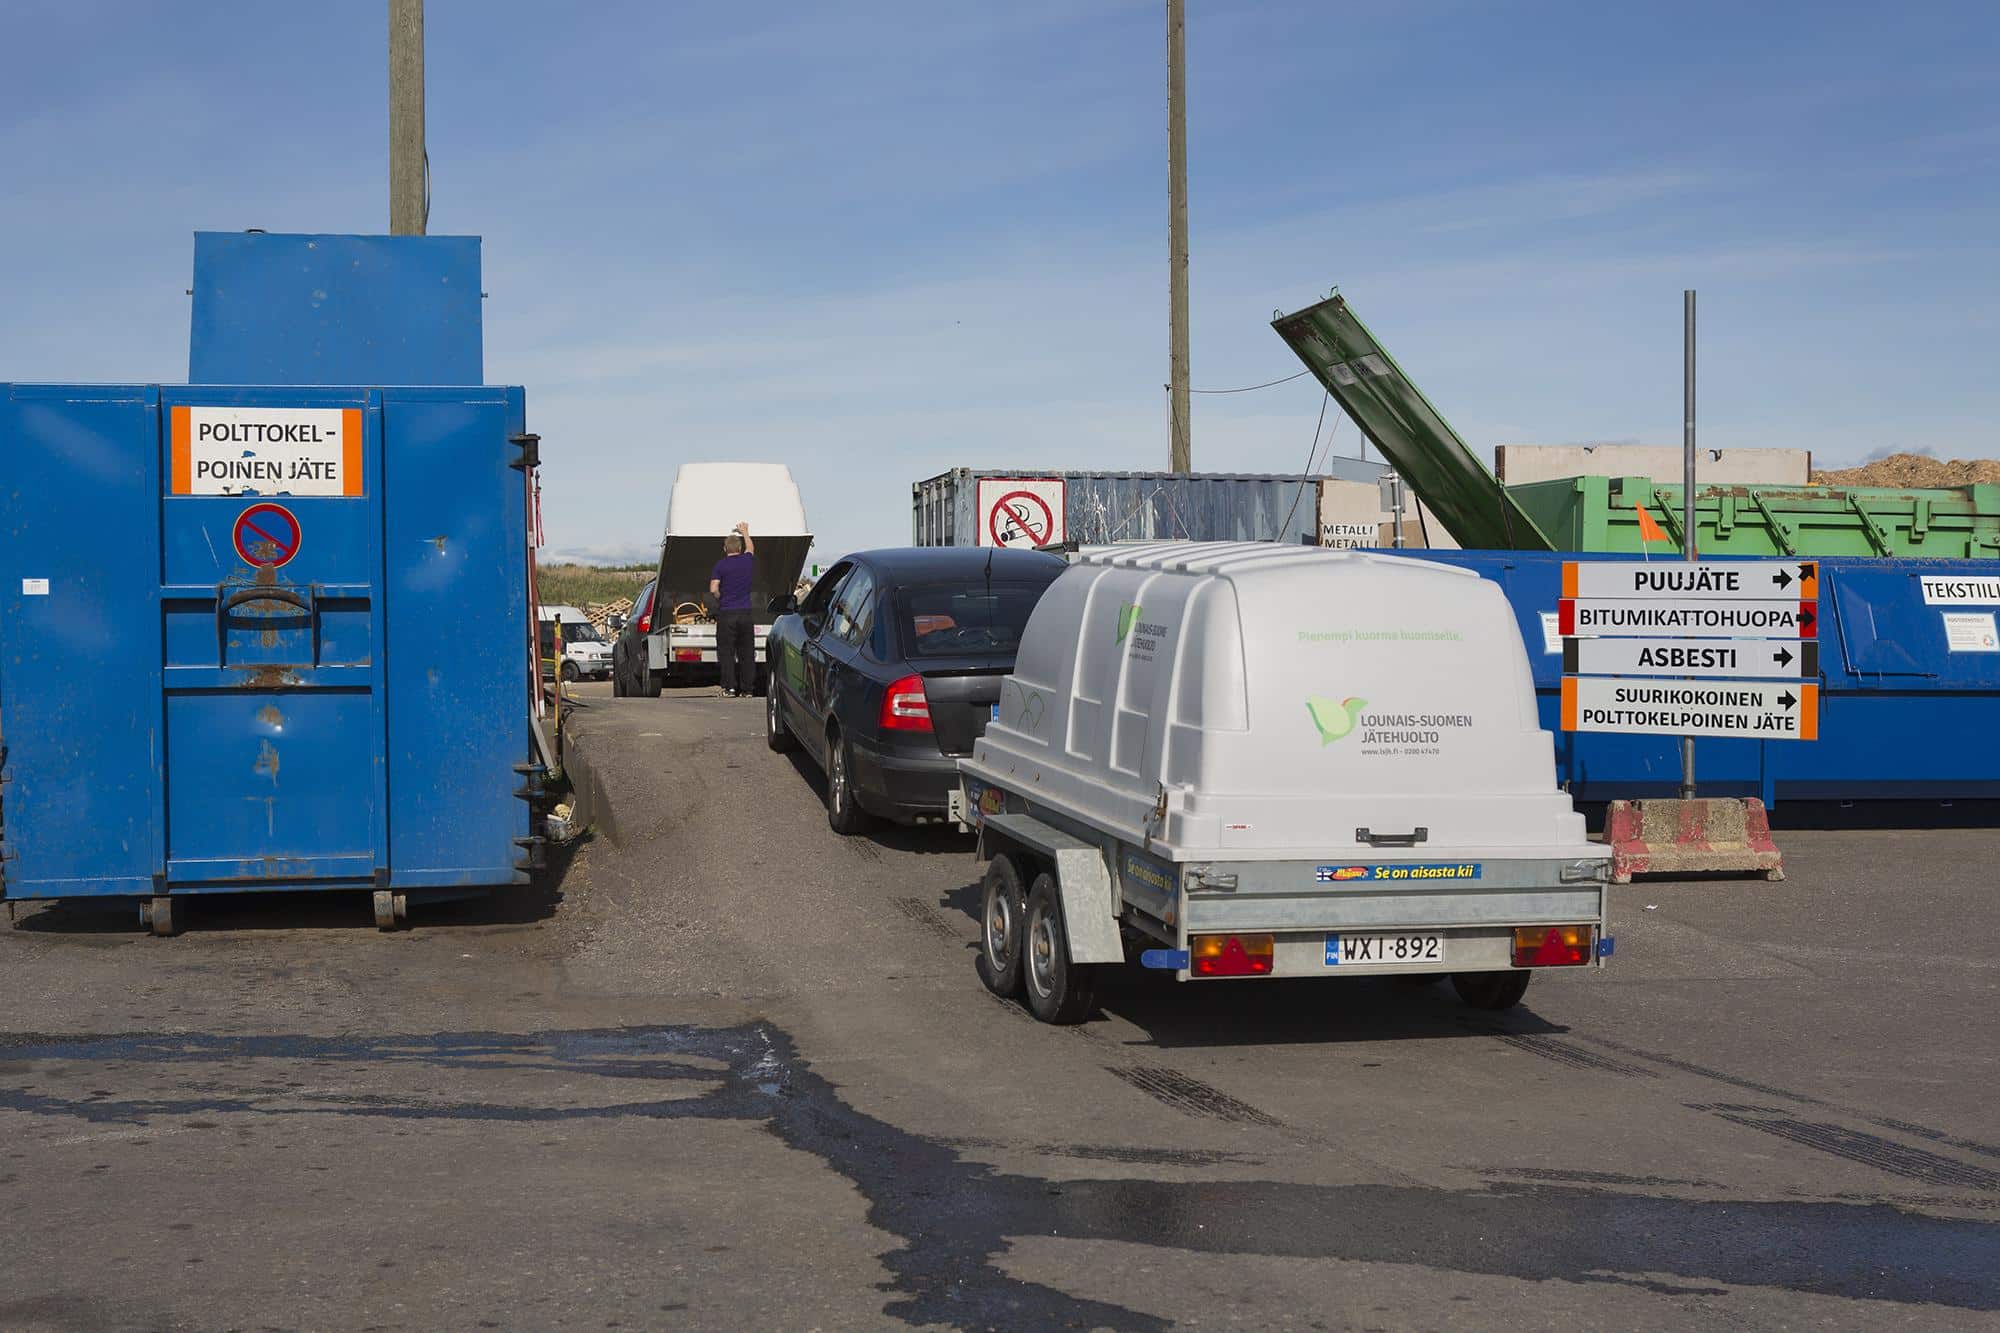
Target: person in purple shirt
735, 626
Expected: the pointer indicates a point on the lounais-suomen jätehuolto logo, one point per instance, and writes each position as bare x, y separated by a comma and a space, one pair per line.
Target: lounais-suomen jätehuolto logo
1334, 718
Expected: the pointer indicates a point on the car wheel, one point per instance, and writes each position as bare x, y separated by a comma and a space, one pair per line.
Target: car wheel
617, 677
844, 814
776, 734
1001, 910
1059, 991
568, 671
1491, 990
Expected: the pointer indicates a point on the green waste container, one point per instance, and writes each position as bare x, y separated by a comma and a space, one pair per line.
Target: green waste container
1601, 514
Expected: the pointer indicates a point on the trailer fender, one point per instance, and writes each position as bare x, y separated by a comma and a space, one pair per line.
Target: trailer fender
1089, 912
1083, 879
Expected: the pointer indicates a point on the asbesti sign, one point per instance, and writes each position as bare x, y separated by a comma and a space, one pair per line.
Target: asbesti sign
1743, 659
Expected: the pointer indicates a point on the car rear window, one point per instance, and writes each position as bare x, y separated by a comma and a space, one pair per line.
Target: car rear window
954, 620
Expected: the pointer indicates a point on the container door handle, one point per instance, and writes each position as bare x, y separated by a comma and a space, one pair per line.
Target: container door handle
1410, 839
303, 606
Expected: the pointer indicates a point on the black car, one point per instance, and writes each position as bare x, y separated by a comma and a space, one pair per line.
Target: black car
891, 668
629, 673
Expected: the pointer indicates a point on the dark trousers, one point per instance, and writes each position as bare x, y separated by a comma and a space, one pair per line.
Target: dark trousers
736, 650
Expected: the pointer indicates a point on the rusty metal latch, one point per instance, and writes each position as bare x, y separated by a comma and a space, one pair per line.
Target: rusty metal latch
302, 613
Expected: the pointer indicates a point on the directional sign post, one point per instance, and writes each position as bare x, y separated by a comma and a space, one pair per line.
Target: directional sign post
1691, 649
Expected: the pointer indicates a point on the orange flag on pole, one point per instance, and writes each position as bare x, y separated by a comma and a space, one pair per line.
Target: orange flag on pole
1650, 531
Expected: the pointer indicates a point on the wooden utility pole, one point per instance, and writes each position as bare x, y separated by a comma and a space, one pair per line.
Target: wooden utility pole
1181, 454
409, 209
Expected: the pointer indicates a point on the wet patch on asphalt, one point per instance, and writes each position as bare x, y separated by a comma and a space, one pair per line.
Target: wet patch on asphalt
954, 1216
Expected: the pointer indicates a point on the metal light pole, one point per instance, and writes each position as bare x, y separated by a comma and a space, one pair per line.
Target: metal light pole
409, 211
1687, 490
1181, 449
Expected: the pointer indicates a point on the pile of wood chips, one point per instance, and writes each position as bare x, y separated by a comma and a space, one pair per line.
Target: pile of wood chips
1913, 470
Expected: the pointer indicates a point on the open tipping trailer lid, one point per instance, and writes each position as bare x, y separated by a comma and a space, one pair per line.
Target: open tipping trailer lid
1372, 389
1260, 700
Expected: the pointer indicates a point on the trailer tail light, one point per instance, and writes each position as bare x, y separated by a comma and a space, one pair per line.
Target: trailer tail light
687, 654
1554, 946
905, 706
1231, 955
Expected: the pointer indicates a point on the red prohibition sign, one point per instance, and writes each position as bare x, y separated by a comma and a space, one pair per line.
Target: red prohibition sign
267, 535
1019, 519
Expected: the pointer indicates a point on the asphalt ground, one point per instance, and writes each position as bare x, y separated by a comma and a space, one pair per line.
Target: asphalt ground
733, 1071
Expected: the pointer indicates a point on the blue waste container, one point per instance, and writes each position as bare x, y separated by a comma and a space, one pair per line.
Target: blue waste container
271, 637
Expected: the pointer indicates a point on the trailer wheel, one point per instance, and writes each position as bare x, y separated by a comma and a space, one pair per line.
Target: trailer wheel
390, 907
1002, 909
158, 914
651, 682
1491, 990
1059, 991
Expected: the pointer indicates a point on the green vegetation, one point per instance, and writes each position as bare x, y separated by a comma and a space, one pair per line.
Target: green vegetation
580, 585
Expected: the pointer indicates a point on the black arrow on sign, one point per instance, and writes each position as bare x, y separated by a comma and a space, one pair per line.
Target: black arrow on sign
1783, 657
1786, 699
1805, 618
1783, 578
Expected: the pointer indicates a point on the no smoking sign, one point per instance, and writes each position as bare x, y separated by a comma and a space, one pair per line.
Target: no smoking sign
1023, 512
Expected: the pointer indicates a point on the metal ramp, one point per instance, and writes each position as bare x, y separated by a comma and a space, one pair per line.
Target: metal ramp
1373, 390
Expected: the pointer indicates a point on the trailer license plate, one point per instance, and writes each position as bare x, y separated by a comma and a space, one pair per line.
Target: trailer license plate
1382, 949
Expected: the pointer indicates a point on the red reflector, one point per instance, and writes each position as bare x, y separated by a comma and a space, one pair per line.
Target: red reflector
687, 654
1553, 946
1230, 955
905, 706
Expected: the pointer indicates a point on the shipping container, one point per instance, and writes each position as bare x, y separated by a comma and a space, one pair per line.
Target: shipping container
1020, 507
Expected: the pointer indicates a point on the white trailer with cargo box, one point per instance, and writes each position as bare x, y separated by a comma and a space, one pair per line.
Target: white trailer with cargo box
1254, 760
708, 501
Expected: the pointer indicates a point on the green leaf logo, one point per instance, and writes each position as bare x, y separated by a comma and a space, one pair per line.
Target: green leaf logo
1128, 616
1334, 720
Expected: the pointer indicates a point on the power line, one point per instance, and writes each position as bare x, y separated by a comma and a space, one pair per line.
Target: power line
1248, 388
1300, 493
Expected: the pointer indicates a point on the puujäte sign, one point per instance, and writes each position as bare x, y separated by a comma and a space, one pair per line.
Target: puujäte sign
1715, 581
265, 451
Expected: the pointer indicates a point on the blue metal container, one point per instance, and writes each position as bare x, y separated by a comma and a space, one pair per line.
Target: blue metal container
1901, 715
271, 637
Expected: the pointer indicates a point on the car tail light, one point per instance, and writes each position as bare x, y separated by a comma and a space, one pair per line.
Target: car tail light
645, 620
1553, 946
1231, 955
905, 707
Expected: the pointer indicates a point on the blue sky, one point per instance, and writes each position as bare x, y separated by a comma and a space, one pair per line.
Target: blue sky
877, 240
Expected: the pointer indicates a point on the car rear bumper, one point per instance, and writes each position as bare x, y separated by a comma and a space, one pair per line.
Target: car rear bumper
904, 785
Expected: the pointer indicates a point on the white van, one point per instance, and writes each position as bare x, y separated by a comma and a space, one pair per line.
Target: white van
586, 654
1255, 760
